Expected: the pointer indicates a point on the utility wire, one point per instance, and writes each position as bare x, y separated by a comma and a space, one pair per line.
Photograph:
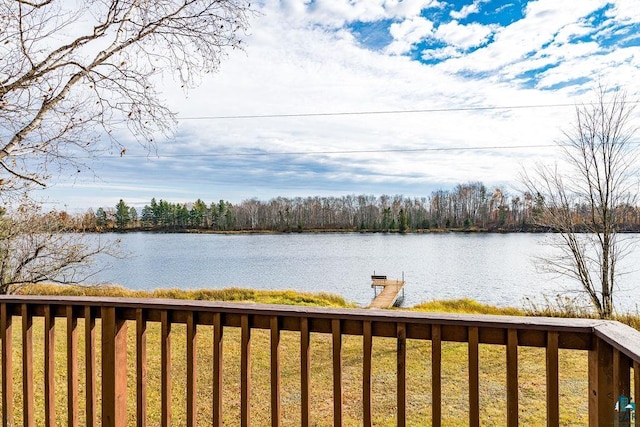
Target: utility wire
367, 113
328, 152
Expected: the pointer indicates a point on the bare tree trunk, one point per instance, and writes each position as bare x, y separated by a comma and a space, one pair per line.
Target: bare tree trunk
597, 172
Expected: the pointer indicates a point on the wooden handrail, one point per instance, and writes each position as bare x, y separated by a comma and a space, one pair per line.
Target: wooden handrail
614, 351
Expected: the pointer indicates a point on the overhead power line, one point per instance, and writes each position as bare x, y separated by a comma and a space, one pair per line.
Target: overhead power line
381, 112
329, 152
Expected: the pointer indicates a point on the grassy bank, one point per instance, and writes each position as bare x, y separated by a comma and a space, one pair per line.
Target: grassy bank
573, 368
320, 299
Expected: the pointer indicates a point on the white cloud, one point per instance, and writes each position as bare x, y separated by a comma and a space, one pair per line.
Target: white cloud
463, 36
543, 20
624, 11
465, 11
407, 33
336, 13
441, 53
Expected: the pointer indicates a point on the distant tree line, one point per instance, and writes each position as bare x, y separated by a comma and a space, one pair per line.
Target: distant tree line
468, 207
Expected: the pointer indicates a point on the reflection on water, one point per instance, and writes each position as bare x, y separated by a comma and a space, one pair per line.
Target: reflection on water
490, 268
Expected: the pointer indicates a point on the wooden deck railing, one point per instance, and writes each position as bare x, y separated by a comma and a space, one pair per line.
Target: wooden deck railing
109, 325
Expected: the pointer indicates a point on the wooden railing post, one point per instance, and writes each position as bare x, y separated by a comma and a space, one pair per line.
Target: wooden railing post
336, 334
49, 368
90, 366
27, 367
401, 374
512, 377
305, 371
114, 369
367, 370
474, 377
436, 375
218, 332
553, 393
601, 393
275, 371
72, 368
6, 334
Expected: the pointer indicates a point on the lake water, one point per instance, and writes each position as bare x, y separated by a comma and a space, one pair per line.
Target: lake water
490, 268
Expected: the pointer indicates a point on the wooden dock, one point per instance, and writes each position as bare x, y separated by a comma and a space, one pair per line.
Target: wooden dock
390, 291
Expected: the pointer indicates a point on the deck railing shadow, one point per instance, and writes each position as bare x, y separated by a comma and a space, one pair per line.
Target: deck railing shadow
105, 342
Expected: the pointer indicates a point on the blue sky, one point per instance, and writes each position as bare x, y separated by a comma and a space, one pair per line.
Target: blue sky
266, 125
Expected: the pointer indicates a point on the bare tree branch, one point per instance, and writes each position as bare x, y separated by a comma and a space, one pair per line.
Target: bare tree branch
585, 198
69, 74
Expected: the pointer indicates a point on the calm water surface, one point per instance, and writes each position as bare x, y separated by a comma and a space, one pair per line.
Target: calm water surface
491, 268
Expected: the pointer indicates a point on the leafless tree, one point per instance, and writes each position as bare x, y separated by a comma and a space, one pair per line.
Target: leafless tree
597, 175
75, 71
74, 76
35, 249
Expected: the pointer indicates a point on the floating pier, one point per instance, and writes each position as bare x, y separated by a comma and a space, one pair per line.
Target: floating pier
390, 294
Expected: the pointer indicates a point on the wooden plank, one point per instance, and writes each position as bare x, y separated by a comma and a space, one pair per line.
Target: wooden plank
141, 368
90, 367
114, 368
305, 372
512, 377
72, 368
336, 338
474, 378
165, 369
49, 368
245, 372
27, 367
275, 372
367, 370
231, 312
6, 334
553, 381
218, 331
621, 374
401, 375
436, 376
389, 294
601, 389
192, 392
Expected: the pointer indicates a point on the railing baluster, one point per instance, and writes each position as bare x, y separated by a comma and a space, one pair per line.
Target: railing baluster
165, 369
401, 388
218, 331
141, 368
72, 368
336, 334
474, 377
114, 368
553, 388
436, 376
192, 401
512, 377
27, 366
90, 362
245, 372
621, 374
6, 334
49, 368
367, 369
275, 371
305, 371
636, 386
601, 389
